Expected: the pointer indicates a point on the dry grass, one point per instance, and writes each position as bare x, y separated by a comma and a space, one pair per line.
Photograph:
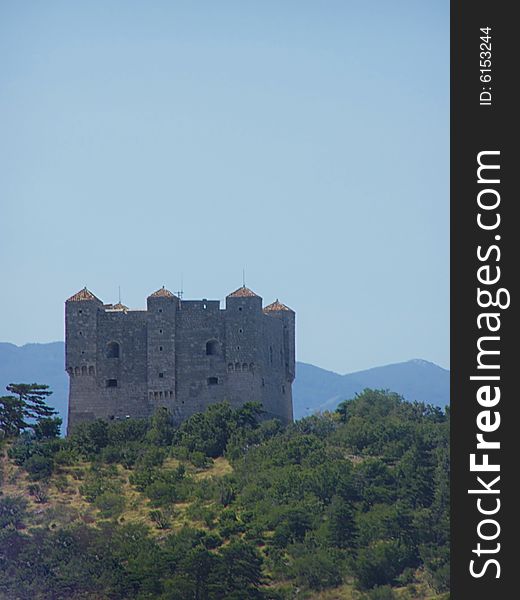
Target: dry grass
65, 503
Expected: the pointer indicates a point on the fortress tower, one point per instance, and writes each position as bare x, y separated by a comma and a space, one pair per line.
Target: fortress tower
181, 354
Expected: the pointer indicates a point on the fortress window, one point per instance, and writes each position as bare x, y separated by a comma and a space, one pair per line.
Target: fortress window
81, 332
91, 370
79, 312
251, 367
204, 306
70, 371
160, 348
113, 350
161, 375
263, 382
160, 310
244, 367
160, 330
83, 370
240, 308
77, 371
212, 380
211, 347
111, 383
271, 354
237, 366
283, 389
230, 367
240, 331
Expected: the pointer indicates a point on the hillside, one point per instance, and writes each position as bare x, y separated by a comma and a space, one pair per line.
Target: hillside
347, 506
314, 389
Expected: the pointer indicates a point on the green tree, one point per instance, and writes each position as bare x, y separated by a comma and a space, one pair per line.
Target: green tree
161, 428
316, 569
48, 428
34, 396
241, 566
12, 416
25, 408
341, 527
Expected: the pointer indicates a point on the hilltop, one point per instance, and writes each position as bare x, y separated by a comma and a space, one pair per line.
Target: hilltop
348, 505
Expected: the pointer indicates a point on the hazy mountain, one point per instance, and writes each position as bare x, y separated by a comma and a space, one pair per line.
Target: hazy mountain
36, 363
314, 389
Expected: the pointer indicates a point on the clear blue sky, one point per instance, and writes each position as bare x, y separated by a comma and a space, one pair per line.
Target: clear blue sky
142, 142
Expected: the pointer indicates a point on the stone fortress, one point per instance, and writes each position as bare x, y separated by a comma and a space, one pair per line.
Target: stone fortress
179, 354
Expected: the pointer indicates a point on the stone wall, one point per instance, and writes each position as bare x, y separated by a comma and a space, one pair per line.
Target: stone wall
180, 354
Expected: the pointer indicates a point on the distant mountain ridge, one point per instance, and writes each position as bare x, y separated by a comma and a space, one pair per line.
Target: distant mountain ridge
314, 389
317, 390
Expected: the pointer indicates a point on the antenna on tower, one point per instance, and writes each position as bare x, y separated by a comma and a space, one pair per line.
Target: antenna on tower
243, 277
181, 291
119, 290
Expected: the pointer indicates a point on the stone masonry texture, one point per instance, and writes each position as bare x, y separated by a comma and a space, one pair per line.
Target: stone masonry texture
180, 354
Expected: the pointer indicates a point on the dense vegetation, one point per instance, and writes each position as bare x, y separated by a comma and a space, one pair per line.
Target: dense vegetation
227, 506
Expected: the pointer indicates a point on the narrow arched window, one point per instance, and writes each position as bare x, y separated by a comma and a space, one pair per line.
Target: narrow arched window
230, 367
244, 367
83, 370
212, 347
113, 350
237, 366
91, 370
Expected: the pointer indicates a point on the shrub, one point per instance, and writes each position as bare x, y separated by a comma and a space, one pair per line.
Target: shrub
61, 483
229, 524
66, 456
199, 512
152, 457
199, 459
110, 504
39, 467
161, 493
13, 510
95, 485
380, 563
384, 592
39, 493
160, 519
90, 438
23, 448
47, 428
142, 478
316, 570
